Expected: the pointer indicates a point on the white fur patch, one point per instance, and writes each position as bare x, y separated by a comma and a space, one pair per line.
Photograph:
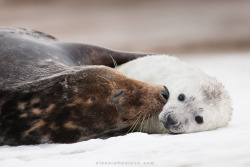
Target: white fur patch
204, 95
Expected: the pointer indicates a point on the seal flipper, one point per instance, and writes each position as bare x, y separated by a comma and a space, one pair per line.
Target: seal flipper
85, 54
80, 54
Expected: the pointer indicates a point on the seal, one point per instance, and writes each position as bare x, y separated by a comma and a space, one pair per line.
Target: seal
53, 92
197, 102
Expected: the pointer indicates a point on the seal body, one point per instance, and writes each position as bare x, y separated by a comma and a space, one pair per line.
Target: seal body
28, 55
197, 101
49, 92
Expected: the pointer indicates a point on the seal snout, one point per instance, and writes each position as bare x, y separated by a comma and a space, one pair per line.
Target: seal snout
172, 124
165, 93
170, 121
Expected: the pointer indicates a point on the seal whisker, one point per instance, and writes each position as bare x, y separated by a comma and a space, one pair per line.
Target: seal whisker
135, 123
137, 114
107, 80
147, 119
115, 64
141, 125
134, 115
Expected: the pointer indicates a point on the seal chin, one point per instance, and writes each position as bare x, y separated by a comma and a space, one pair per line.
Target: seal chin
178, 129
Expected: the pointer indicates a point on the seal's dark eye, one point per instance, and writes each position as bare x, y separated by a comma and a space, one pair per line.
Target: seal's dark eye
199, 119
181, 97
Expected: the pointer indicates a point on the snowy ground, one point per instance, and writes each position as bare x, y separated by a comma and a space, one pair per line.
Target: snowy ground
229, 146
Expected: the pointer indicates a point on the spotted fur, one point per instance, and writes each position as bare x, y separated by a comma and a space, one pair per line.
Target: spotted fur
50, 92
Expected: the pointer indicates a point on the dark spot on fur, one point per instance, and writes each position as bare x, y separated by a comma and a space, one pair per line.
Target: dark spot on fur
27, 97
36, 105
201, 109
212, 93
124, 119
9, 106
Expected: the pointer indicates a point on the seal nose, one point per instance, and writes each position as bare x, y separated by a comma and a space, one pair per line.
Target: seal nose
165, 93
169, 121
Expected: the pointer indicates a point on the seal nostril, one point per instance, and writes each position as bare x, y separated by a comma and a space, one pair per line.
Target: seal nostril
165, 93
170, 121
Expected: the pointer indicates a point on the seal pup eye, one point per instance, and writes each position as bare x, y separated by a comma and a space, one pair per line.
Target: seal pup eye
181, 97
199, 119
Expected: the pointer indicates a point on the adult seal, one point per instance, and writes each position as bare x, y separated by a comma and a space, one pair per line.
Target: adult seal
54, 92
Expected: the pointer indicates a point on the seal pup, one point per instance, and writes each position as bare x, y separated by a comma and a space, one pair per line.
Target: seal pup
197, 102
52, 92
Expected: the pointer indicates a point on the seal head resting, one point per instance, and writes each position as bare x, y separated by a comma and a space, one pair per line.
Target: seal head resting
56, 92
197, 102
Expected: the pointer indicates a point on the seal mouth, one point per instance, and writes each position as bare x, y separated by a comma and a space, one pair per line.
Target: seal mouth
176, 129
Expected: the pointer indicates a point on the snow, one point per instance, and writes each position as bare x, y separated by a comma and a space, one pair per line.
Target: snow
229, 146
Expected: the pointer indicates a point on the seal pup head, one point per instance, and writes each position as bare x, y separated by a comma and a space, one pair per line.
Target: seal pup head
197, 101
200, 105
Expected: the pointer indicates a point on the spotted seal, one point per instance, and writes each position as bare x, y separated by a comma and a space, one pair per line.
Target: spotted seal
54, 92
197, 102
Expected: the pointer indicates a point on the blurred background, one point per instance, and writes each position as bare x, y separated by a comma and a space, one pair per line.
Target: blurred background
163, 26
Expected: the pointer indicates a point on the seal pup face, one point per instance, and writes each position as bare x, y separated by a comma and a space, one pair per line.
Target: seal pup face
197, 101
197, 107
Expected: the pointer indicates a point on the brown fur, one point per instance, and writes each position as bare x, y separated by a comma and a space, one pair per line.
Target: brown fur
50, 93
63, 116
